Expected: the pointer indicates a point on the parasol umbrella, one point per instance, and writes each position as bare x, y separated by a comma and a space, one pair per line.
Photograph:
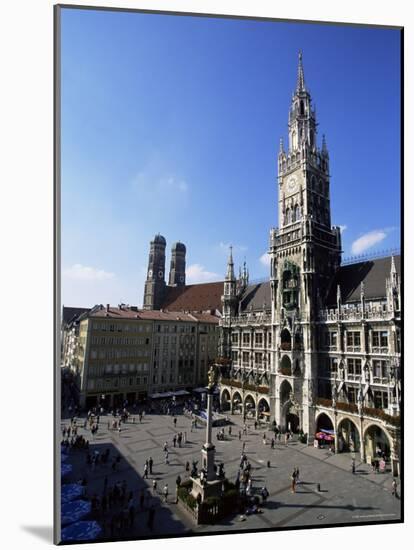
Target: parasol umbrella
74, 511
71, 491
81, 530
320, 435
329, 437
65, 469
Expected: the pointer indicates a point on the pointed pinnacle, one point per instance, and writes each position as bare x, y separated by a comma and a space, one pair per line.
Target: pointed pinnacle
300, 86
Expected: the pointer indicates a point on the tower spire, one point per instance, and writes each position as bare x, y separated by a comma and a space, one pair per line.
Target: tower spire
300, 86
230, 266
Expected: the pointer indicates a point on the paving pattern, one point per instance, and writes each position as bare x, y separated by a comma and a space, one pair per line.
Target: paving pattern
344, 497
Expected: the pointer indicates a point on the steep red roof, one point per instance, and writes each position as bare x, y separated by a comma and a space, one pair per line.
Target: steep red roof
150, 315
201, 297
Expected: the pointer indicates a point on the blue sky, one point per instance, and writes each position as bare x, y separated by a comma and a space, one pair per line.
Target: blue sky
172, 125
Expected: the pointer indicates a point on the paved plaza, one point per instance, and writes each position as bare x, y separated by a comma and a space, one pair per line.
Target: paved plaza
344, 497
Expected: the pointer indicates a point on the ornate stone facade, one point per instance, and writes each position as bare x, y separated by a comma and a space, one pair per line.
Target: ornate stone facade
318, 345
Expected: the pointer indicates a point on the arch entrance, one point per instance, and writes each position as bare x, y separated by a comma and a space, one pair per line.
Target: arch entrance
225, 400
323, 422
263, 410
237, 403
249, 406
348, 436
377, 442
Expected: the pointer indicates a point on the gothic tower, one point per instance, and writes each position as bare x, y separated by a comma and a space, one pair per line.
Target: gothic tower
155, 283
177, 266
305, 252
229, 301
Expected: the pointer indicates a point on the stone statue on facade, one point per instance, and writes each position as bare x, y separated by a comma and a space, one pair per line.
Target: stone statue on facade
360, 399
334, 395
211, 377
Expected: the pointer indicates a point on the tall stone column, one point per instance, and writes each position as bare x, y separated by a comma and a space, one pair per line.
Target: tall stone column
208, 449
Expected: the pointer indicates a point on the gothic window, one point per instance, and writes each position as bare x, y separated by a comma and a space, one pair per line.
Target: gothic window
294, 140
288, 215
296, 214
302, 108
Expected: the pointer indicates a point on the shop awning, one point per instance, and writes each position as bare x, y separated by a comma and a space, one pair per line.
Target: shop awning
167, 394
163, 395
180, 393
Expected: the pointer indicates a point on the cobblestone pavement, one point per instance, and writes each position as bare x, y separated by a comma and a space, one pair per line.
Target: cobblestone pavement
344, 497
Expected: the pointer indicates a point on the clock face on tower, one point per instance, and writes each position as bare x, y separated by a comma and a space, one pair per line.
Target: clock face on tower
181, 279
292, 184
160, 274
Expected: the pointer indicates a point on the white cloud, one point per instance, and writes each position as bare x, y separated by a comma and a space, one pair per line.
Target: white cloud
173, 184
149, 181
343, 228
265, 259
368, 240
81, 272
196, 273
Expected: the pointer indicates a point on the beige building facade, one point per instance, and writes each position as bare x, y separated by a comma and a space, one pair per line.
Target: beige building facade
125, 355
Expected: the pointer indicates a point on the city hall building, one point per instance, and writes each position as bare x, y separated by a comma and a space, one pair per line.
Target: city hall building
318, 346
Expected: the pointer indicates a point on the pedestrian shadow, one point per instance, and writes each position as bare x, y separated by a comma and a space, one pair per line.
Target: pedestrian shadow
276, 505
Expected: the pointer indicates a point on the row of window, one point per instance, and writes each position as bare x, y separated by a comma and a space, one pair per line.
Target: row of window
353, 366
259, 338
259, 358
118, 353
108, 383
119, 340
175, 328
379, 399
181, 363
379, 339
165, 340
121, 327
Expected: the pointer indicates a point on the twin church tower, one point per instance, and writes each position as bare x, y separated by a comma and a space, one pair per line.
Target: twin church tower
155, 286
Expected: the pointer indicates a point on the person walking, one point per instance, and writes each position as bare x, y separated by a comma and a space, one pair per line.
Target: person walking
174, 440
272, 443
265, 493
293, 481
154, 486
146, 470
240, 434
353, 466
165, 493
150, 463
394, 488
297, 475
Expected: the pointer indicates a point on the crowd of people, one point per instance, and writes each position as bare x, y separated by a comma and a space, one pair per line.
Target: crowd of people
117, 505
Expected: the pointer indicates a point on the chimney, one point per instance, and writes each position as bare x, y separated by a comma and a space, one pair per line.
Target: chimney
107, 307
